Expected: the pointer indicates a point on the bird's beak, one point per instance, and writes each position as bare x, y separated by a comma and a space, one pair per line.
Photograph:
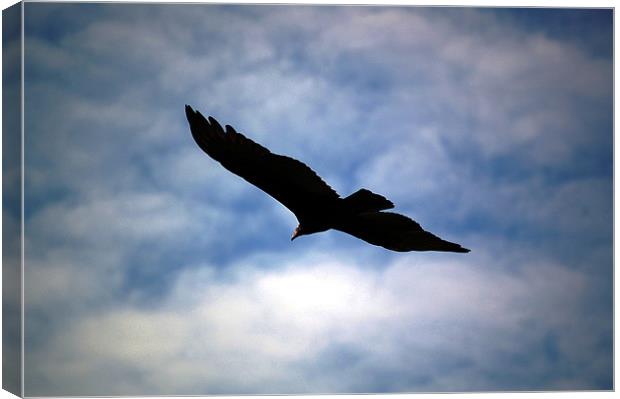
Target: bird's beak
295, 233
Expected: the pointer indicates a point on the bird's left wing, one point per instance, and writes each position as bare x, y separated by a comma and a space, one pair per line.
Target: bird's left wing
288, 180
396, 232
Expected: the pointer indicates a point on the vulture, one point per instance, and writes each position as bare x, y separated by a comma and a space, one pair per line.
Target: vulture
315, 204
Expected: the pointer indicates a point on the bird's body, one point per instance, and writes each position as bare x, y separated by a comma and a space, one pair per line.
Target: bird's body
315, 204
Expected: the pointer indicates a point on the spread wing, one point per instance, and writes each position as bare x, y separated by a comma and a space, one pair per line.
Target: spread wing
286, 179
396, 232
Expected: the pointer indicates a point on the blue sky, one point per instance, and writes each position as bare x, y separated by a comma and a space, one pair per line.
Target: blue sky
152, 270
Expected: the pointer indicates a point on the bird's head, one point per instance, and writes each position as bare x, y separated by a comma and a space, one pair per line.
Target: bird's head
299, 231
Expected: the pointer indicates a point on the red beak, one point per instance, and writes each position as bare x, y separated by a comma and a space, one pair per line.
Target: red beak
295, 234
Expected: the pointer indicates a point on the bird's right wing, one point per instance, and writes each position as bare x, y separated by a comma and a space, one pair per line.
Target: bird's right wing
288, 180
396, 232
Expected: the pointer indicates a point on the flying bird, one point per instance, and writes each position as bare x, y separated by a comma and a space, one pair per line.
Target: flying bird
315, 204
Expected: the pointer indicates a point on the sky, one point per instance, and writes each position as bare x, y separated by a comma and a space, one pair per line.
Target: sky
150, 269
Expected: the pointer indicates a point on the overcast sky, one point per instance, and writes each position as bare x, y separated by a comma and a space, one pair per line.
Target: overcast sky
152, 270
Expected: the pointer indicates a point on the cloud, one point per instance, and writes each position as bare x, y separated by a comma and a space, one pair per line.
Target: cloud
447, 324
506, 86
153, 270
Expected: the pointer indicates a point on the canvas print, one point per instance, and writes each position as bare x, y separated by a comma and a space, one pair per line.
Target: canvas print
301, 199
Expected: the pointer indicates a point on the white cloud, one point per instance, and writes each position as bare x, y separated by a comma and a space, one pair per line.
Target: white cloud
139, 216
261, 331
367, 97
503, 87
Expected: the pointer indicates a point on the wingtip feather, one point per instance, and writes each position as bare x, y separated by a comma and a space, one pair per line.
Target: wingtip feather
189, 112
213, 122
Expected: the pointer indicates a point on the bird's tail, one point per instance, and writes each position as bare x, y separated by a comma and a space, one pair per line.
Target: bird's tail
366, 201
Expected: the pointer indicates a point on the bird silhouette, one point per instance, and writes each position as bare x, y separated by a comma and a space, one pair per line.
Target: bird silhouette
315, 204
